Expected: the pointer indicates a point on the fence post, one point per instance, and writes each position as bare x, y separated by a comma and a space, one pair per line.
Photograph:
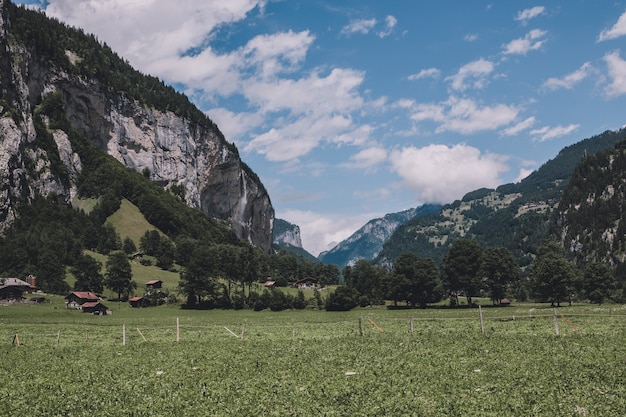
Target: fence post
58, 337
556, 323
360, 326
480, 314
243, 330
177, 329
411, 325
124, 334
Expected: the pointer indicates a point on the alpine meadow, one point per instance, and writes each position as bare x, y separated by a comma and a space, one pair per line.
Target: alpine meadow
144, 269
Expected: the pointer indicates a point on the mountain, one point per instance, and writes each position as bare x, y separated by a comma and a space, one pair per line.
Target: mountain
367, 242
515, 216
58, 84
286, 236
590, 218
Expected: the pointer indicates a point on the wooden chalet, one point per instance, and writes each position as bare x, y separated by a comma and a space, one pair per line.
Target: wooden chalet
94, 307
306, 284
13, 289
136, 302
154, 284
77, 298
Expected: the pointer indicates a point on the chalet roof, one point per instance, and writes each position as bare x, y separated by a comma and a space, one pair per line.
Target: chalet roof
303, 280
13, 282
269, 283
84, 295
154, 281
91, 304
135, 299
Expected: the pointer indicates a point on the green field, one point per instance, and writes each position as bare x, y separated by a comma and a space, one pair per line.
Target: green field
313, 363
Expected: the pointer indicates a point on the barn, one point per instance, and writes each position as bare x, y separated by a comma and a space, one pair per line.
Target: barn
77, 298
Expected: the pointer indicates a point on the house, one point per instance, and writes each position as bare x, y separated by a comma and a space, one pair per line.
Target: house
136, 302
505, 302
306, 283
94, 307
269, 284
12, 289
154, 284
77, 298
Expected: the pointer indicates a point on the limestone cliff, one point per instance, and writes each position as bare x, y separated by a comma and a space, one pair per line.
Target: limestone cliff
175, 150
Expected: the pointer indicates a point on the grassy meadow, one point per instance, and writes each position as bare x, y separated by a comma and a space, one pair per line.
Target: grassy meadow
366, 362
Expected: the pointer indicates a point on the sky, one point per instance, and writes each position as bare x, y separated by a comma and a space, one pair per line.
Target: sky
351, 109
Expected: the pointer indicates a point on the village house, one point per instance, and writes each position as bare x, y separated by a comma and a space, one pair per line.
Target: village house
136, 302
77, 298
95, 307
154, 284
13, 289
306, 284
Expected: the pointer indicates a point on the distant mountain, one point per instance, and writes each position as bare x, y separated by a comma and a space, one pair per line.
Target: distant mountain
515, 216
367, 242
286, 236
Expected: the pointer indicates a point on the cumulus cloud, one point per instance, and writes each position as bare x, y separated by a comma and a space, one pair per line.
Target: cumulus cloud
523, 173
425, 73
470, 37
473, 75
530, 42
441, 174
368, 158
519, 127
570, 80
552, 132
465, 116
616, 31
362, 26
390, 24
617, 72
234, 125
525, 15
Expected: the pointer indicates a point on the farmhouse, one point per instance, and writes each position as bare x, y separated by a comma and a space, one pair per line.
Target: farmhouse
154, 284
306, 283
12, 289
136, 302
269, 284
77, 298
94, 307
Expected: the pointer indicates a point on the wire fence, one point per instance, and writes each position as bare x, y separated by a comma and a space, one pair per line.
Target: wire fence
195, 330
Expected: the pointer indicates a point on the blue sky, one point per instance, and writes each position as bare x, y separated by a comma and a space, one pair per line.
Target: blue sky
351, 109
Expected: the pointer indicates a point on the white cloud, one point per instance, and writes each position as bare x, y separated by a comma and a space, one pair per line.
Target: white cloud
234, 125
144, 31
425, 73
475, 71
552, 132
470, 37
617, 73
362, 26
523, 173
322, 232
618, 30
368, 158
570, 80
465, 116
530, 42
531, 13
390, 24
519, 127
441, 174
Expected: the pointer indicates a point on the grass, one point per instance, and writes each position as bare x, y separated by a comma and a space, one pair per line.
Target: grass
305, 363
128, 221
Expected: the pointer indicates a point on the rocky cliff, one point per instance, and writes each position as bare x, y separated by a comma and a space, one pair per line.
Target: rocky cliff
286, 233
172, 149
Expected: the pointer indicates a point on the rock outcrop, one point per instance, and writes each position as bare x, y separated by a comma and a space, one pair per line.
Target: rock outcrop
173, 149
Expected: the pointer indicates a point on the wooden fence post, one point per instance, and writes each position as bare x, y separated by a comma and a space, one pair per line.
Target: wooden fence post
411, 325
480, 314
58, 338
243, 331
360, 326
177, 329
124, 334
556, 323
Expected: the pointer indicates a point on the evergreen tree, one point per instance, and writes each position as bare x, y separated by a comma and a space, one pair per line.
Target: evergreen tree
118, 276
552, 274
87, 272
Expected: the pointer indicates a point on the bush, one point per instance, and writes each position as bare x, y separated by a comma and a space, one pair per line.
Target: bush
343, 299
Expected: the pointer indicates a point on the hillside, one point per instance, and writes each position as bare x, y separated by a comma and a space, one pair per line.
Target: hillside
514, 216
590, 218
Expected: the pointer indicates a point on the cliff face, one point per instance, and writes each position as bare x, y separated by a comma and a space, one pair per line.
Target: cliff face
286, 233
174, 150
